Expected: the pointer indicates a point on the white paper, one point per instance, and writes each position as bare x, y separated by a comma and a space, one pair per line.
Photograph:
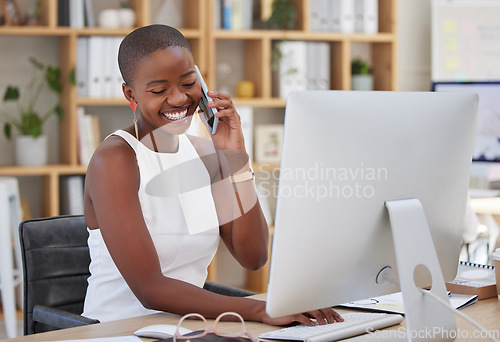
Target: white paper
393, 303
107, 339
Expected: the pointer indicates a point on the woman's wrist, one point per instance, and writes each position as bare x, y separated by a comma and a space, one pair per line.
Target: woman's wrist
236, 162
257, 312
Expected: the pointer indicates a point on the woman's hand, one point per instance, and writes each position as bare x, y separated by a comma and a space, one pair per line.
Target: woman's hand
229, 135
322, 316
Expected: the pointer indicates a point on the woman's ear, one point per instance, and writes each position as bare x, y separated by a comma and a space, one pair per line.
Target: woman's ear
128, 92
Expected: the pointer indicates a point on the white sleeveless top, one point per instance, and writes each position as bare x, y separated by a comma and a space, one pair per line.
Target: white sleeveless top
181, 219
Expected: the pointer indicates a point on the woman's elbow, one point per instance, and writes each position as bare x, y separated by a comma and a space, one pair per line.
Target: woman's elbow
148, 301
256, 262
148, 295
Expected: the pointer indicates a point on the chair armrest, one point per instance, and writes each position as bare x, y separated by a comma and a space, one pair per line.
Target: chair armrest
226, 290
58, 318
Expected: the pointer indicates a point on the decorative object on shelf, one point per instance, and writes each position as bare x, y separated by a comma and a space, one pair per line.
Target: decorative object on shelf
283, 16
123, 17
30, 123
268, 143
109, 18
30, 150
126, 14
33, 16
234, 15
266, 9
362, 78
245, 89
10, 12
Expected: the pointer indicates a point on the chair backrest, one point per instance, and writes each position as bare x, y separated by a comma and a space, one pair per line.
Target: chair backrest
55, 265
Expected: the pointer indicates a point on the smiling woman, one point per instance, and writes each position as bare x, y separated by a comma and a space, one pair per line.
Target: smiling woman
157, 200
166, 102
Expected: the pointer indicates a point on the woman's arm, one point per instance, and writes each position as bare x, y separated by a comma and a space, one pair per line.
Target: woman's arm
112, 205
243, 227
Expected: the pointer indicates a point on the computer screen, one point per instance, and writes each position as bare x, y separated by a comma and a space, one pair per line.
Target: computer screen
345, 153
487, 143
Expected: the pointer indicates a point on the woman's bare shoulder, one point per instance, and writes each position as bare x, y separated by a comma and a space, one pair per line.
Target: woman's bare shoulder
114, 152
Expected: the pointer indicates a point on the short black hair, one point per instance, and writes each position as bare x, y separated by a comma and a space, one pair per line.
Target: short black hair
144, 41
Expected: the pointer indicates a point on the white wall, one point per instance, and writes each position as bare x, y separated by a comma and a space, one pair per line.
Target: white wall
414, 29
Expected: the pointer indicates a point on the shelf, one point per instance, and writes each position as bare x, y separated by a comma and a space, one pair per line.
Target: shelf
265, 167
96, 31
253, 102
34, 31
302, 35
89, 31
60, 31
45, 170
87, 101
260, 102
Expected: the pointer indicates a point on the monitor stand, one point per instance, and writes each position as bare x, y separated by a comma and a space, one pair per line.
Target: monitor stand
426, 318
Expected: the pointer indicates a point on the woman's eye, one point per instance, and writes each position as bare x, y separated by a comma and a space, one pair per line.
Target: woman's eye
190, 84
157, 92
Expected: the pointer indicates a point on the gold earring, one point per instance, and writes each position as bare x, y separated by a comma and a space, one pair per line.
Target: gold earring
133, 106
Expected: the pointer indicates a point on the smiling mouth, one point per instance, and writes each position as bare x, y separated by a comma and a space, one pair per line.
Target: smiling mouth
176, 116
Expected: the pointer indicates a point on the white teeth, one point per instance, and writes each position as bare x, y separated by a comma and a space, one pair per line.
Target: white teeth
176, 116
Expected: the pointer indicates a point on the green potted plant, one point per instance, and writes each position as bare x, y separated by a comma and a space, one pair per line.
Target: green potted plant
283, 17
361, 73
31, 144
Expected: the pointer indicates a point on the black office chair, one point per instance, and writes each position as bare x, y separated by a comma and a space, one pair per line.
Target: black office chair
56, 267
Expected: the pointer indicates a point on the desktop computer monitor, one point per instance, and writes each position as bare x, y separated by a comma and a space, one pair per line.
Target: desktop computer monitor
345, 154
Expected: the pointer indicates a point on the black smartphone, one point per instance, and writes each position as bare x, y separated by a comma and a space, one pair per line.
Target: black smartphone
207, 113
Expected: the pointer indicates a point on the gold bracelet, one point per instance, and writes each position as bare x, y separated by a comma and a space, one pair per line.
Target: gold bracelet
242, 177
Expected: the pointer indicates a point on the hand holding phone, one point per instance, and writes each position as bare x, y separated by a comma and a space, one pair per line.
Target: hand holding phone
207, 113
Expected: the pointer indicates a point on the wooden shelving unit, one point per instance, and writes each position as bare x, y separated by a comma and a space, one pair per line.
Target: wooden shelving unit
199, 30
194, 22
258, 46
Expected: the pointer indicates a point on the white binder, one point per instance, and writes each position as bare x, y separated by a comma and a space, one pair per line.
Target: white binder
366, 16
343, 16
95, 66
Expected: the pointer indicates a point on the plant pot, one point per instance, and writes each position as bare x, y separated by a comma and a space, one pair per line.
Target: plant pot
362, 82
31, 151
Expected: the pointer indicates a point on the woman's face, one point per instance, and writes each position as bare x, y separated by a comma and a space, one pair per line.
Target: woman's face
167, 90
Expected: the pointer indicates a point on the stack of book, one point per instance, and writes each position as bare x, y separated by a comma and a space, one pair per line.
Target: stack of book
233, 14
